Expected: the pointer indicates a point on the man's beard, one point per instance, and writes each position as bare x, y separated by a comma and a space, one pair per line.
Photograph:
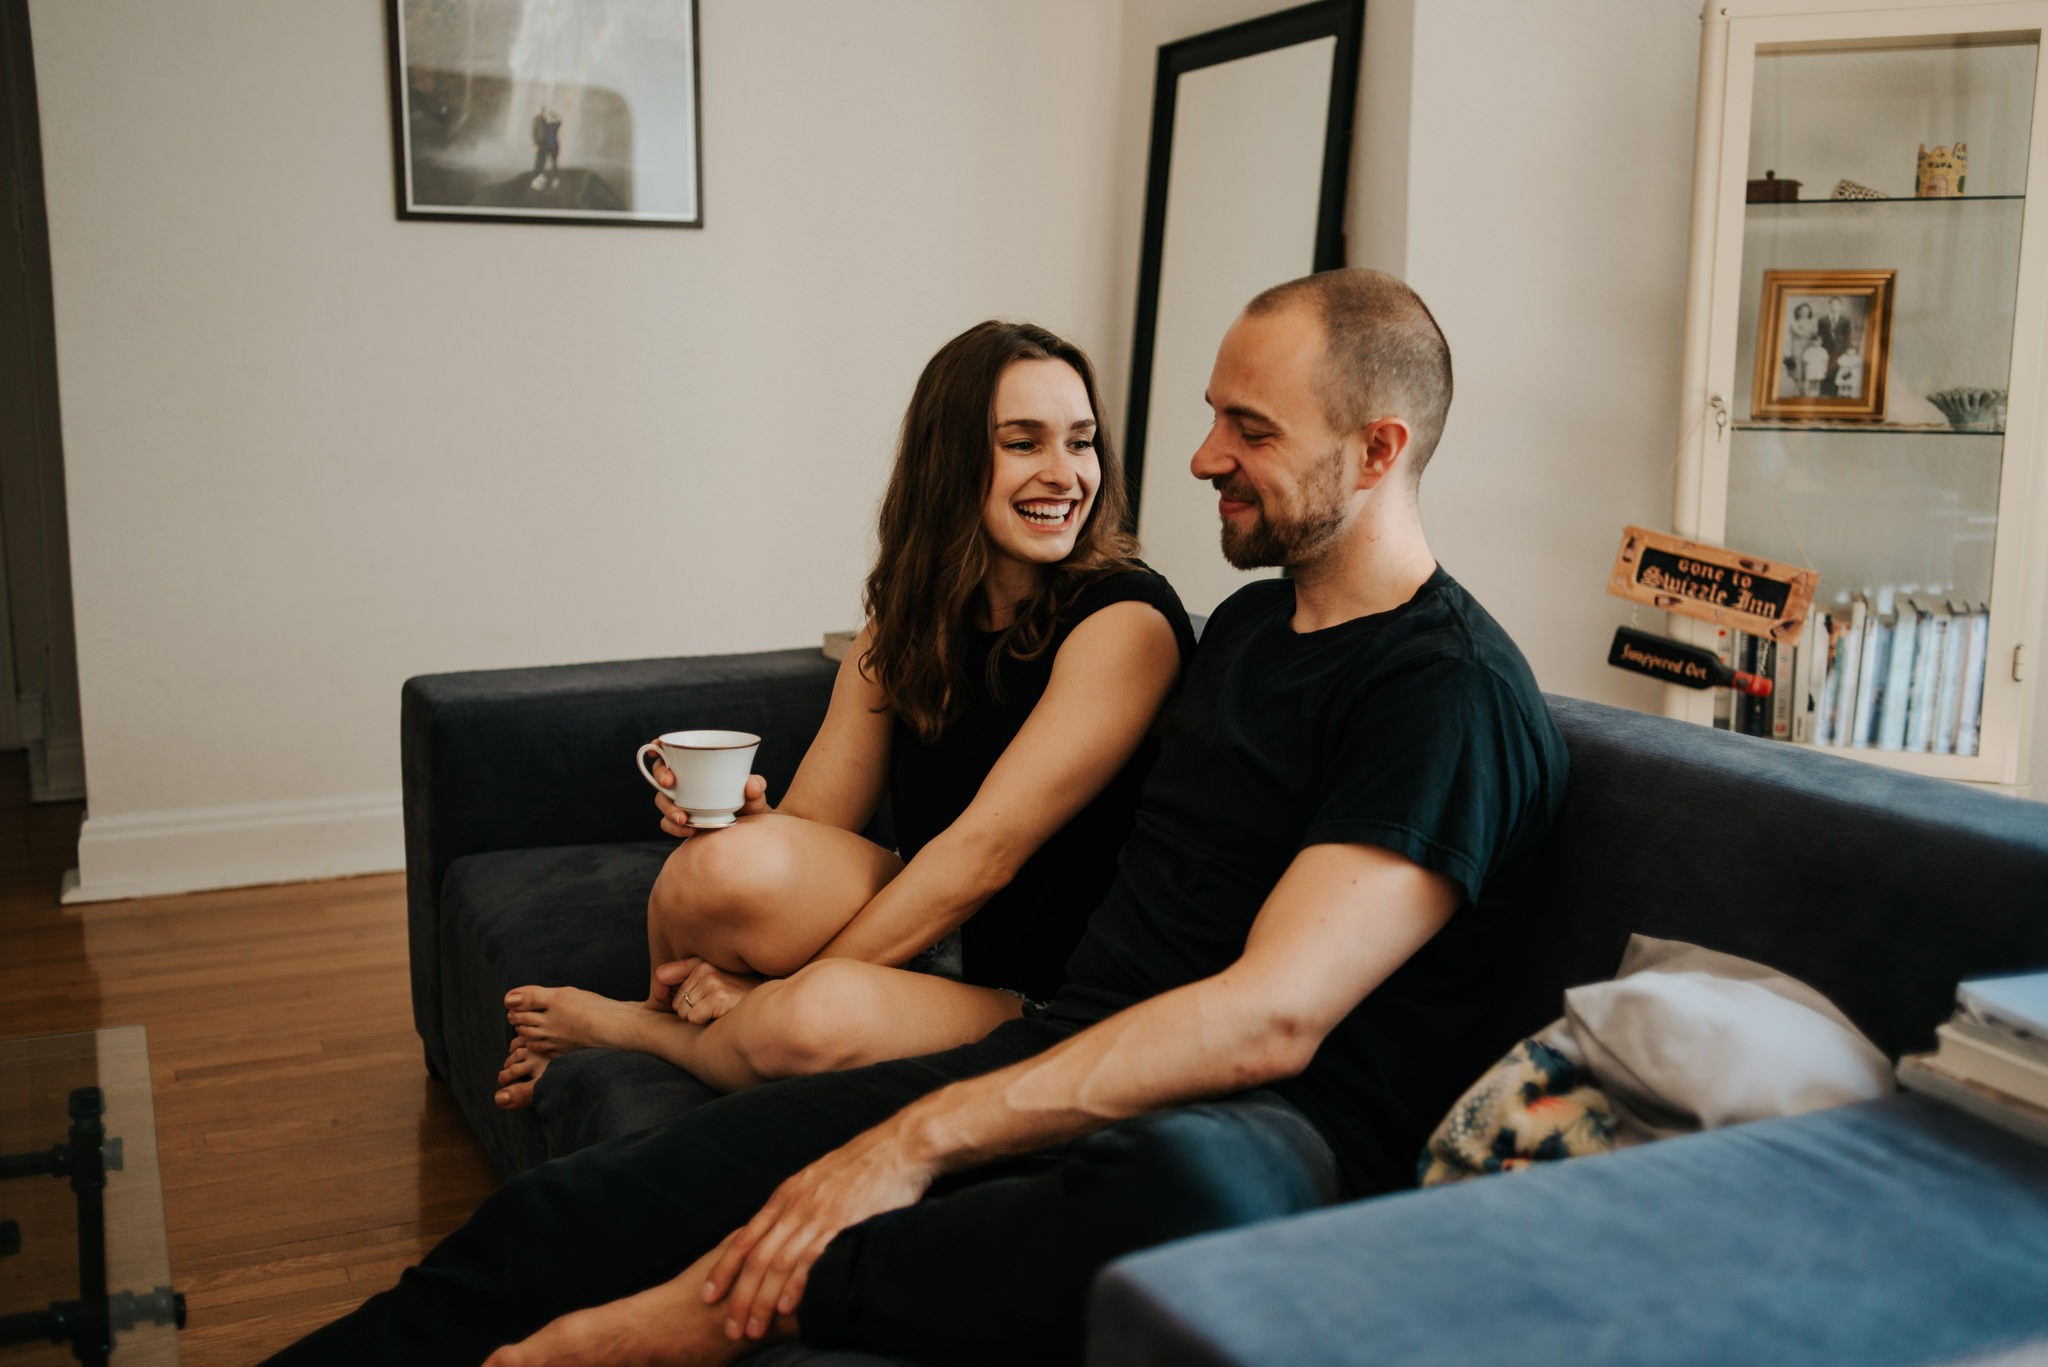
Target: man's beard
1295, 542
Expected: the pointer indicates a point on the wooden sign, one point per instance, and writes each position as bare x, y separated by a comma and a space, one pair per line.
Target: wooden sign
1728, 588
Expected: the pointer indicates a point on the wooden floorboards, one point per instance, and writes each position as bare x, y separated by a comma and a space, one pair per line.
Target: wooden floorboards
306, 1155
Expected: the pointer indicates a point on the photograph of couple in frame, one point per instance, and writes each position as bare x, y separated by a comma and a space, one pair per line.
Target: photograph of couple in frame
547, 111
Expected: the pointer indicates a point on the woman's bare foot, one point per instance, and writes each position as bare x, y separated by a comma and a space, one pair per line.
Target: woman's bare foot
522, 1069
554, 1020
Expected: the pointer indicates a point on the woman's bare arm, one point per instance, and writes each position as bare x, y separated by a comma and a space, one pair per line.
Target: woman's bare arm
1109, 680
843, 774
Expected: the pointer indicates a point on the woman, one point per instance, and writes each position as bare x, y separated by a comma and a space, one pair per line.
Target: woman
1015, 661
1802, 335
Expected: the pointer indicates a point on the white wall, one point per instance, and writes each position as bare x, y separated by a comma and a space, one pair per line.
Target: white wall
313, 450
1548, 196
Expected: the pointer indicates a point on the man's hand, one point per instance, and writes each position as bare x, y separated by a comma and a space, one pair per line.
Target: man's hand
676, 822
700, 992
766, 1263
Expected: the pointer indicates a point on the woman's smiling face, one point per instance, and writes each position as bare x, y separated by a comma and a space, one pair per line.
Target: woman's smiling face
1045, 472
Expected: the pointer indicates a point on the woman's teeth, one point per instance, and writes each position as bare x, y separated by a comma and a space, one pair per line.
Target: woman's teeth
1046, 514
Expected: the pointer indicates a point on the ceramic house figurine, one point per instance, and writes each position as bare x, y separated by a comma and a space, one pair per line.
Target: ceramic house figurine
1942, 171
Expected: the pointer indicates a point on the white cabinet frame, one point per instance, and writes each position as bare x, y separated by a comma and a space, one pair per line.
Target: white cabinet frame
1732, 36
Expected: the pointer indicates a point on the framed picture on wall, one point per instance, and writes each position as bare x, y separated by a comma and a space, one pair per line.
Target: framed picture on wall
540, 111
1823, 346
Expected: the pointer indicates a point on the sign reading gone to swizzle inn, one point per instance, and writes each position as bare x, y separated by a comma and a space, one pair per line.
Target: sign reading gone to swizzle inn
1725, 587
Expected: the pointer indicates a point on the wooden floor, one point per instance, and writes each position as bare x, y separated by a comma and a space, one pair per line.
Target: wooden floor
306, 1155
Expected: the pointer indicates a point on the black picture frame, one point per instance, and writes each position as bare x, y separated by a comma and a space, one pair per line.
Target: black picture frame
589, 207
1343, 20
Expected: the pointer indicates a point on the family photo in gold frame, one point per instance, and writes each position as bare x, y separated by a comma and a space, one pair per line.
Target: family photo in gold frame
1823, 346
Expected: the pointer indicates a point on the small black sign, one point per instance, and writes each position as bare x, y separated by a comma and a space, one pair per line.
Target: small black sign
1662, 658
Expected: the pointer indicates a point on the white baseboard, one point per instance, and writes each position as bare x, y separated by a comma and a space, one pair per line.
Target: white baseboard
194, 849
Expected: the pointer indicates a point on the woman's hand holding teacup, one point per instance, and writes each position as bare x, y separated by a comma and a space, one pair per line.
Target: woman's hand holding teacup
701, 993
676, 822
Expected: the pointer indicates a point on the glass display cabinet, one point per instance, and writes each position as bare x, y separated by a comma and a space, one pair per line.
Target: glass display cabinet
1866, 333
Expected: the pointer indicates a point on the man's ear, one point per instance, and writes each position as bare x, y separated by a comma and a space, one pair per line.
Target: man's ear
1384, 441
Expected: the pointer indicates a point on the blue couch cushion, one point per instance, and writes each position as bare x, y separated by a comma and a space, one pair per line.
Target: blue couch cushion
1892, 1232
1881, 890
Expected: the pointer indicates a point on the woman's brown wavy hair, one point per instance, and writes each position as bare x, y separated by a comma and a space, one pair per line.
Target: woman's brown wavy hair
921, 593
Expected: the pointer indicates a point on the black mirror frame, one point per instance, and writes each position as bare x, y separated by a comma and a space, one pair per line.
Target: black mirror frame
1343, 20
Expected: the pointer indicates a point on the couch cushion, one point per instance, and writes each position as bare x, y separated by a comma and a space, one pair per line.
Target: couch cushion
1895, 1231
573, 914
572, 728
593, 1095
1878, 889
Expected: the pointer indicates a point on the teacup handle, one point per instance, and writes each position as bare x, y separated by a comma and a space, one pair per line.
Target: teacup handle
640, 764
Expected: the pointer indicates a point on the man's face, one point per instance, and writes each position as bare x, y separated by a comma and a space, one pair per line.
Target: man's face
1836, 308
1283, 476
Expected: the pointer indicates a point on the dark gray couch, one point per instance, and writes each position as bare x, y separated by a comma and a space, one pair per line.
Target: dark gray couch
530, 847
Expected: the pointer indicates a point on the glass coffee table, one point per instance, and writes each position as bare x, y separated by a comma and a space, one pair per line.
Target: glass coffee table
85, 1272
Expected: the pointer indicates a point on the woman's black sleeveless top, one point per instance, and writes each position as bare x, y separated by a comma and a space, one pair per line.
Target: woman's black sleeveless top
1021, 937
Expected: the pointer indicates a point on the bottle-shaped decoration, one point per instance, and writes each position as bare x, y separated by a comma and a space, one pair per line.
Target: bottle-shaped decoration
1942, 171
1660, 657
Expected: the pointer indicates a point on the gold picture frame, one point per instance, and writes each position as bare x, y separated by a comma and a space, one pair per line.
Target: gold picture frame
1823, 346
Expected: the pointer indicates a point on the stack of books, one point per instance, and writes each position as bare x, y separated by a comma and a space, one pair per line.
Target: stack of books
1879, 672
1993, 1055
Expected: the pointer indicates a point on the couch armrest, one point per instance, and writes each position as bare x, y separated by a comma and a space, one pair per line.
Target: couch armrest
1893, 1231
515, 758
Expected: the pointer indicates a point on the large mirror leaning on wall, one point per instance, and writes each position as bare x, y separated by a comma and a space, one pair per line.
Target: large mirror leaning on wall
1250, 163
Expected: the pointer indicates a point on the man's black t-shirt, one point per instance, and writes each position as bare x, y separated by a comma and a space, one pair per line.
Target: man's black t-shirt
1420, 730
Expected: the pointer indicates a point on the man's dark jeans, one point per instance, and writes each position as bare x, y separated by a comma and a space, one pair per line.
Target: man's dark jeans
993, 1266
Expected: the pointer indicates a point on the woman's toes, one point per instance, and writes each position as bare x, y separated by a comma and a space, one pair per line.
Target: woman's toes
515, 1084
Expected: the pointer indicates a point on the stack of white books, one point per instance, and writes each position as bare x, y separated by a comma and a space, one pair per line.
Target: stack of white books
1993, 1054
1879, 671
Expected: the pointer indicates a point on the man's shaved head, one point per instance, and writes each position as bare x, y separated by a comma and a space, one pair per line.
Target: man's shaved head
1383, 353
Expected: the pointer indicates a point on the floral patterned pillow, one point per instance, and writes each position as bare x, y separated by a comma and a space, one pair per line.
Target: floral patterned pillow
1534, 1106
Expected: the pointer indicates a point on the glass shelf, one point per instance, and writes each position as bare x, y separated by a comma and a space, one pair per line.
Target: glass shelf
1882, 199
1919, 509
1914, 429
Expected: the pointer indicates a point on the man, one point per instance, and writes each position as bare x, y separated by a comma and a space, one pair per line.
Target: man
1269, 1012
547, 144
1837, 333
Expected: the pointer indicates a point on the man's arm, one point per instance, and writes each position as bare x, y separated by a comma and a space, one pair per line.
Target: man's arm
1340, 920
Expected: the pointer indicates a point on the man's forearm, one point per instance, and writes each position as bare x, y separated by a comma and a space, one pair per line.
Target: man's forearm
937, 892
1199, 1041
1339, 921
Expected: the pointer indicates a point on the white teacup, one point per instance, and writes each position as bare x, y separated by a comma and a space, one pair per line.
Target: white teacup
711, 769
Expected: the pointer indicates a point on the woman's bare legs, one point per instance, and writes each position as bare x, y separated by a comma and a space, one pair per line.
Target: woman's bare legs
760, 897
832, 1014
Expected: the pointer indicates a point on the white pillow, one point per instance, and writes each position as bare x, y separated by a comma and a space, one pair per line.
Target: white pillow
1686, 1038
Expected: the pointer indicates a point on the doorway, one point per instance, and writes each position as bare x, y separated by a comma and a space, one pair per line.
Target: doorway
39, 709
